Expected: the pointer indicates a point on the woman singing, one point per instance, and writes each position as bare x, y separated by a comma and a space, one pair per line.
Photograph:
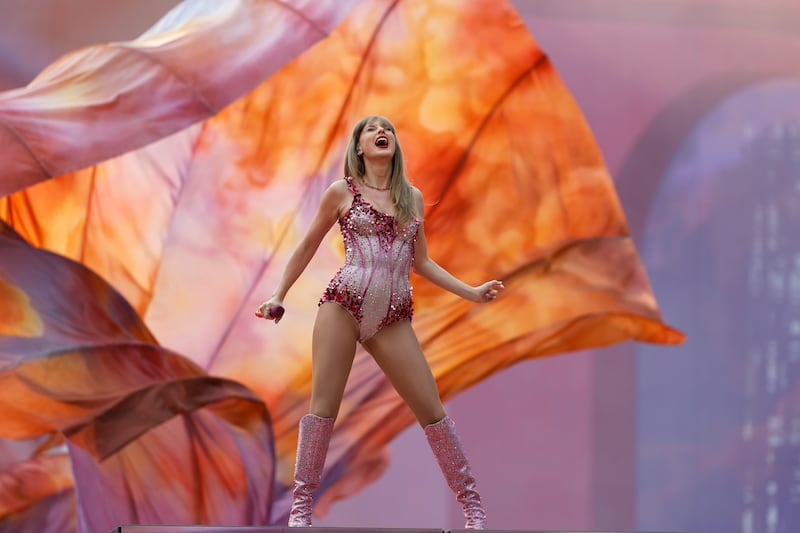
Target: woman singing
369, 301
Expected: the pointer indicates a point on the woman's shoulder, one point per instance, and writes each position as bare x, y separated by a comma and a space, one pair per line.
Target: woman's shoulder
339, 193
340, 187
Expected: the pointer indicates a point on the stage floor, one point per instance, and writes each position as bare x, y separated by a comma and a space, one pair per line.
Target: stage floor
280, 529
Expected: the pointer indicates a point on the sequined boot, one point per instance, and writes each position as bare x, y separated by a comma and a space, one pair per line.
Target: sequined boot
312, 446
447, 448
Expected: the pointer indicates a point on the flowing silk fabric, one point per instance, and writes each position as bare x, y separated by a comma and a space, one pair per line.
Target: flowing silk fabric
77, 361
104, 100
35, 486
194, 230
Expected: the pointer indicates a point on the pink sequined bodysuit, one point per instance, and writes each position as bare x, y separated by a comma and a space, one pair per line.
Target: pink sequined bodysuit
373, 283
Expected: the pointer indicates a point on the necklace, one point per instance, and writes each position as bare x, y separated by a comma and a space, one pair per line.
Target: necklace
368, 186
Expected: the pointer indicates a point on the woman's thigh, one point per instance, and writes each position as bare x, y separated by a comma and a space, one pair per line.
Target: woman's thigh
333, 346
398, 353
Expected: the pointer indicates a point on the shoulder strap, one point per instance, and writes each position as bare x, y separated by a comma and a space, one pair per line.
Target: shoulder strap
352, 187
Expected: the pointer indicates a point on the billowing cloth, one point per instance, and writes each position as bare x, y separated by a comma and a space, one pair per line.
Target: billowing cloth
105, 100
194, 230
77, 362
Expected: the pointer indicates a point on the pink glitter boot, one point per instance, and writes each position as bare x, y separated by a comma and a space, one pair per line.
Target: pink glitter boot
455, 467
312, 447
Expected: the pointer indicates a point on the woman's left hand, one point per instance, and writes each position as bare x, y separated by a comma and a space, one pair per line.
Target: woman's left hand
488, 291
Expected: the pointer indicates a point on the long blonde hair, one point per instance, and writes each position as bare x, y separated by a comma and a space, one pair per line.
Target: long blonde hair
399, 186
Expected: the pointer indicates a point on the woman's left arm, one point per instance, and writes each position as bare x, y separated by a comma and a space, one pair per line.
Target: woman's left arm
430, 270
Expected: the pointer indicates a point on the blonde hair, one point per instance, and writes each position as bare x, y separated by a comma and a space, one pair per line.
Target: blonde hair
399, 186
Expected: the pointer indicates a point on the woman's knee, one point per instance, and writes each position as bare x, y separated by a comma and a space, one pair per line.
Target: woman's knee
431, 416
323, 410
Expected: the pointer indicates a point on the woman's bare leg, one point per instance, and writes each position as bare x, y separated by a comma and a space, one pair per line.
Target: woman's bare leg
333, 347
397, 351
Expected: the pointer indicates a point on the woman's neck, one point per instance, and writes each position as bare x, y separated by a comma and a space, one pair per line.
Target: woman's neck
377, 175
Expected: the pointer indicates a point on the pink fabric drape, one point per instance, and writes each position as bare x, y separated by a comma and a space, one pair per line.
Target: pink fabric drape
105, 100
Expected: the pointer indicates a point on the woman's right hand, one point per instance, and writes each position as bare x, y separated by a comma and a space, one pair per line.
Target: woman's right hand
272, 309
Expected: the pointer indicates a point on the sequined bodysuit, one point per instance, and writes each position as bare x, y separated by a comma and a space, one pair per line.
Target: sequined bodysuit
373, 283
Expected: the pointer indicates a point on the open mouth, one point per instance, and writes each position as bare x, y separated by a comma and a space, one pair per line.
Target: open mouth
382, 142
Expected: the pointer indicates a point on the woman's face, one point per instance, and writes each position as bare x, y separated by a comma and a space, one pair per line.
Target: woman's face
377, 140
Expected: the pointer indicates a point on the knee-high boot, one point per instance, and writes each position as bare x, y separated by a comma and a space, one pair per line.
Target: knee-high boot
446, 447
312, 447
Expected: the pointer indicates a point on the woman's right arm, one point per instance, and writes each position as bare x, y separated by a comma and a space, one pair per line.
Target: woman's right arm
328, 213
